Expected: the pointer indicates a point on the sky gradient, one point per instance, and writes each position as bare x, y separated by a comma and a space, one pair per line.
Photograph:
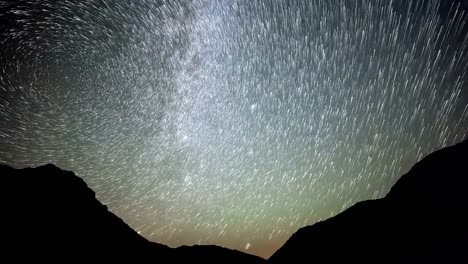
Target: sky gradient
231, 122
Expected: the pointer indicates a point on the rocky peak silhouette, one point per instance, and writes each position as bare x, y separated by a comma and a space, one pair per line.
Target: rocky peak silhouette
52, 216
423, 219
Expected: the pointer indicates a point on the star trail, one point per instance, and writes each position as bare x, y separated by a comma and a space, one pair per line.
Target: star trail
231, 122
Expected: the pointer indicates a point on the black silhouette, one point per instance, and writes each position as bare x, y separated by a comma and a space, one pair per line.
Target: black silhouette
51, 216
423, 219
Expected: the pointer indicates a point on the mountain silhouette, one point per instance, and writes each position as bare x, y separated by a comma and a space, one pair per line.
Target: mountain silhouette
423, 219
51, 216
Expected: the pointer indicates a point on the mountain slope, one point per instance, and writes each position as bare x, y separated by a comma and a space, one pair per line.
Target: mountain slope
50, 215
423, 219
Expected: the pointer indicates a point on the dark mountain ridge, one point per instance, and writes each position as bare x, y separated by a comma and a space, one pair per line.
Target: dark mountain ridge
52, 216
423, 219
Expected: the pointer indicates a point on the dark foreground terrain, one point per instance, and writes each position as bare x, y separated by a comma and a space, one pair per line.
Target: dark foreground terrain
50, 215
423, 219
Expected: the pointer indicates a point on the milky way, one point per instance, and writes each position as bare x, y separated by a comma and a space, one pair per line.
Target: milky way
231, 122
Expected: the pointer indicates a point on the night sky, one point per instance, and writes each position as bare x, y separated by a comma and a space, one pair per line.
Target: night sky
231, 122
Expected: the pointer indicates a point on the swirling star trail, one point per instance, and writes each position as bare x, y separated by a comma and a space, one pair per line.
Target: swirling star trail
231, 122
